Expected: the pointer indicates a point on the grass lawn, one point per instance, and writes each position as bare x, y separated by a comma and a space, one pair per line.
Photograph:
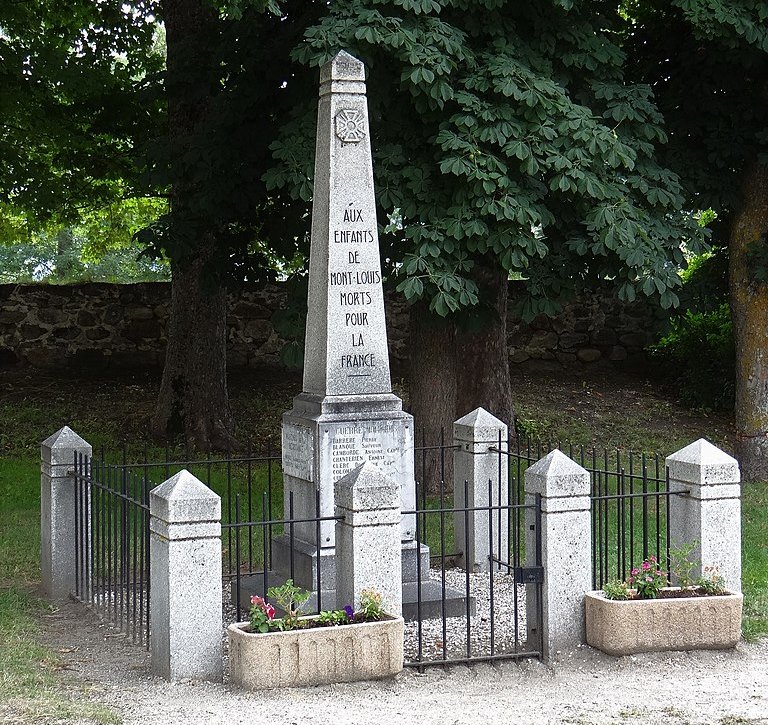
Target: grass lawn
611, 412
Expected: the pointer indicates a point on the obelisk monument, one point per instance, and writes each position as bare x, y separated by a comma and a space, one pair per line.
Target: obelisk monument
347, 413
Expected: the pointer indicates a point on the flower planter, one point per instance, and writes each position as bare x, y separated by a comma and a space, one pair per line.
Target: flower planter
653, 625
317, 656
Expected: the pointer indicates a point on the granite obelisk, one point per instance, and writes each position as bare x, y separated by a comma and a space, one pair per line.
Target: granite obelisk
347, 413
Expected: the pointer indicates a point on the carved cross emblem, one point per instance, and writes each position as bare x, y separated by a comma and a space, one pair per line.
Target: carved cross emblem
350, 126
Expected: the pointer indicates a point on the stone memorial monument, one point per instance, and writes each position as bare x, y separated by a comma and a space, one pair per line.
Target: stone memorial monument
347, 413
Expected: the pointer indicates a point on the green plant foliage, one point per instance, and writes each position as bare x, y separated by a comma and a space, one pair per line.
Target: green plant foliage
648, 579
697, 358
682, 564
371, 605
79, 82
290, 598
705, 282
707, 61
504, 130
711, 582
617, 590
333, 618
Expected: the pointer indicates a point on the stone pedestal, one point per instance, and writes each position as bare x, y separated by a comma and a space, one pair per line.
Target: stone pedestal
57, 511
368, 538
480, 535
566, 549
185, 579
709, 514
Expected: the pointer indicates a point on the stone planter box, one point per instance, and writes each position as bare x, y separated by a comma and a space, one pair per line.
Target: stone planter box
653, 625
318, 656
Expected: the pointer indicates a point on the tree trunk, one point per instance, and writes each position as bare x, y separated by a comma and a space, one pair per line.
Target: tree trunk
749, 311
456, 368
432, 395
193, 396
483, 360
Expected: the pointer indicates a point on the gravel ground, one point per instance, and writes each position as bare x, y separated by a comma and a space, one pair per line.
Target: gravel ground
726, 688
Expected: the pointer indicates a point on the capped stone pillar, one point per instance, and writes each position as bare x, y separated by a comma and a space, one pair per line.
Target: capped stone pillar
57, 511
709, 515
566, 549
484, 474
185, 579
368, 550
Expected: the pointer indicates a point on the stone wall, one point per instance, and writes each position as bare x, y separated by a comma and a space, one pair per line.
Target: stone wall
596, 329
124, 326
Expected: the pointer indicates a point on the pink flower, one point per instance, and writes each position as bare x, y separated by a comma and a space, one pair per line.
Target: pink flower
646, 566
270, 611
256, 600
635, 572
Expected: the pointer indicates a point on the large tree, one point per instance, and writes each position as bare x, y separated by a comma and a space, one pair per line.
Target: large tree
77, 101
506, 140
228, 68
708, 63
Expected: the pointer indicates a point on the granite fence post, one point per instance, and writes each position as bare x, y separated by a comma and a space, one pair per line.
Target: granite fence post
185, 579
483, 474
566, 549
709, 514
57, 511
368, 548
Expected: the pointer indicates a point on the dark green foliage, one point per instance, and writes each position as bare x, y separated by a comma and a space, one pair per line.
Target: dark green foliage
77, 101
242, 76
708, 63
697, 356
705, 282
504, 129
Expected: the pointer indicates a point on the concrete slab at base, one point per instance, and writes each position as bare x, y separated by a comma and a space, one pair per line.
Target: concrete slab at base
301, 559
655, 625
431, 596
319, 656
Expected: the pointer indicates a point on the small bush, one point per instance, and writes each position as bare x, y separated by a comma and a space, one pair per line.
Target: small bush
617, 590
697, 357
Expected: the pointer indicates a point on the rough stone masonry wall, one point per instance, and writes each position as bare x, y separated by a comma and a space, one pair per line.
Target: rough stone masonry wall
124, 326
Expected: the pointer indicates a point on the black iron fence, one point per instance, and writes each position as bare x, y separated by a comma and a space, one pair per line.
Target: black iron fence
112, 543
455, 614
630, 503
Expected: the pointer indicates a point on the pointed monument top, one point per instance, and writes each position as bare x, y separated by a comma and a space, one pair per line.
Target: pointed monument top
556, 463
480, 418
702, 452
183, 485
480, 426
343, 67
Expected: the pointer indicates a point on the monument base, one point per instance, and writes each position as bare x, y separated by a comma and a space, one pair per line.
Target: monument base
302, 560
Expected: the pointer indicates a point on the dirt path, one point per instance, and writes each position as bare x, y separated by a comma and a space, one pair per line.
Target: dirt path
726, 688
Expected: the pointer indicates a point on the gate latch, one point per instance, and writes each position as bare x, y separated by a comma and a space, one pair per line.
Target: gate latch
529, 574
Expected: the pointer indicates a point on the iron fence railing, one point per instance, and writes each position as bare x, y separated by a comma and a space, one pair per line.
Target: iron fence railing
499, 613
630, 497
112, 544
